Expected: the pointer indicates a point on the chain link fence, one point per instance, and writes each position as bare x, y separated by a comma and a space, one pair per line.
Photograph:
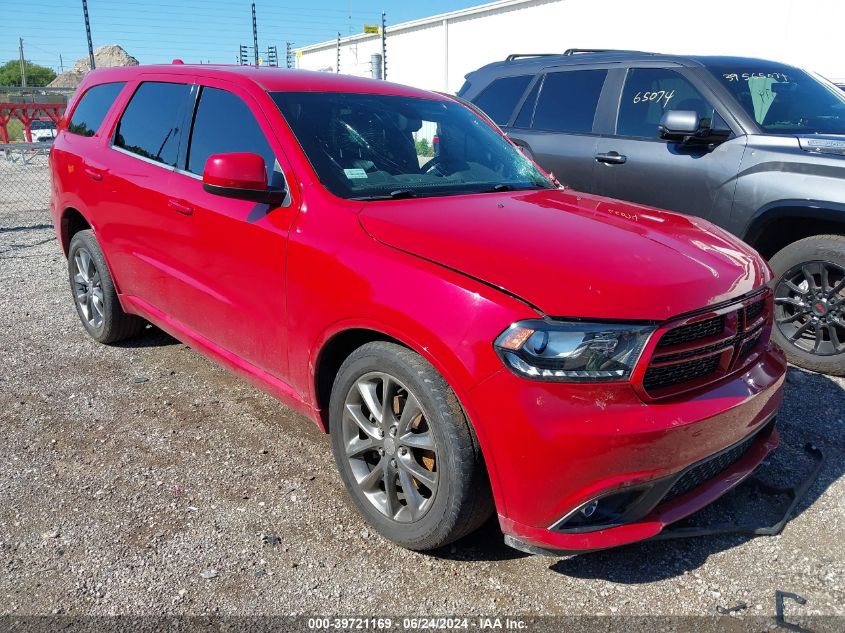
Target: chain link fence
24, 181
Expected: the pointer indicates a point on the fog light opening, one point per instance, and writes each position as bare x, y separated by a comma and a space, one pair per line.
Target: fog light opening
602, 511
589, 509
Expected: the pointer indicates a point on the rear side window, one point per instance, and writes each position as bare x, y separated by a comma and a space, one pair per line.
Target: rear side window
648, 93
150, 125
224, 123
568, 101
499, 98
92, 108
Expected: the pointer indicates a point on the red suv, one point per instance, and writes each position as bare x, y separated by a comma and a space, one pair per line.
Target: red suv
472, 336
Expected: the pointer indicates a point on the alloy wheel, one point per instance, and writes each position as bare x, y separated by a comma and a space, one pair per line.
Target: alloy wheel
810, 307
390, 447
88, 288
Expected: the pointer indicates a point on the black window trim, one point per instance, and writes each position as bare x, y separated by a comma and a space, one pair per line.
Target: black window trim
170, 168
108, 110
188, 116
536, 81
702, 87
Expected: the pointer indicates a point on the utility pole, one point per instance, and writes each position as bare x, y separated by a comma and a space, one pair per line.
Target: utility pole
61, 64
288, 58
384, 45
88, 32
23, 63
337, 69
254, 34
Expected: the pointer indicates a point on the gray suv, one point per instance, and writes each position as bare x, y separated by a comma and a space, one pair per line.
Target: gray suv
754, 146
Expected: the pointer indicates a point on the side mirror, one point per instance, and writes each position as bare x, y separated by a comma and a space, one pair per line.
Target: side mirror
677, 124
685, 126
241, 175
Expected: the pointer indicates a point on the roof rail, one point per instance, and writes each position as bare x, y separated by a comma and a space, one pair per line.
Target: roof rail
569, 52
578, 51
514, 56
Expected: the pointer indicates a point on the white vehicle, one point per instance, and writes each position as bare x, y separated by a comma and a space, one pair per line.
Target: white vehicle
42, 131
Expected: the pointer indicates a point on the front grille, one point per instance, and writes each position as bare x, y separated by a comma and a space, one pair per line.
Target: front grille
749, 343
707, 470
693, 332
670, 375
710, 348
754, 310
698, 351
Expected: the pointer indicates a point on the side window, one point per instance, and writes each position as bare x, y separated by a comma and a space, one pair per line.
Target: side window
648, 93
568, 101
150, 125
92, 108
499, 98
223, 123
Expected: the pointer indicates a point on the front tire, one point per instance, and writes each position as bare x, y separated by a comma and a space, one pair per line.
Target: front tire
809, 288
94, 293
404, 448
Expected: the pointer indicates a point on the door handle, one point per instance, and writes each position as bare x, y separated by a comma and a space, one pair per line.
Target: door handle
180, 207
95, 174
611, 158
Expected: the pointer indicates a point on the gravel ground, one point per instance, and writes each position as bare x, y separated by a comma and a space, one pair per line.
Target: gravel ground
143, 479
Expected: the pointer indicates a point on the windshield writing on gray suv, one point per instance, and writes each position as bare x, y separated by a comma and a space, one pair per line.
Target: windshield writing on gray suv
785, 100
374, 147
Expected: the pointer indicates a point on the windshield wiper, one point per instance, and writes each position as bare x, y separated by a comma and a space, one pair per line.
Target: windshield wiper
403, 193
498, 188
505, 187
399, 194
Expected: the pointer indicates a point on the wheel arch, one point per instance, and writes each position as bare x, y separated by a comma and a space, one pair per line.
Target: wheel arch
72, 221
782, 222
329, 357
340, 340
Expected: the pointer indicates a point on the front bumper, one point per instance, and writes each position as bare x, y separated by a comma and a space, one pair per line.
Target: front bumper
552, 447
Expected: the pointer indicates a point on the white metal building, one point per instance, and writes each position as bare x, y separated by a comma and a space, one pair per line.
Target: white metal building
436, 52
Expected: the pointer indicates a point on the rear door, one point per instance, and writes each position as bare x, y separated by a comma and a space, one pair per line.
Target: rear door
234, 265
558, 122
634, 164
145, 236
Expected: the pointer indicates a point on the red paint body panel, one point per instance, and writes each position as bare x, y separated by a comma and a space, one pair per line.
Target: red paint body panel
655, 521
264, 291
563, 251
575, 442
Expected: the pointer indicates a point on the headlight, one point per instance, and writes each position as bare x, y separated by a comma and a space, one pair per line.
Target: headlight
571, 351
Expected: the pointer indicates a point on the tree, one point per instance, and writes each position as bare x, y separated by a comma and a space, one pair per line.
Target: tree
424, 147
10, 74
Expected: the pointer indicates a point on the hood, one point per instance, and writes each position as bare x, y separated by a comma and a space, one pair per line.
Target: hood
573, 255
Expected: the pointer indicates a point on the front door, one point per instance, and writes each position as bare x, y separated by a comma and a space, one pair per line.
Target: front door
235, 295
634, 164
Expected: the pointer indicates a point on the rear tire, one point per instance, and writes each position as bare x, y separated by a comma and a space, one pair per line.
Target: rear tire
809, 287
420, 436
94, 294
